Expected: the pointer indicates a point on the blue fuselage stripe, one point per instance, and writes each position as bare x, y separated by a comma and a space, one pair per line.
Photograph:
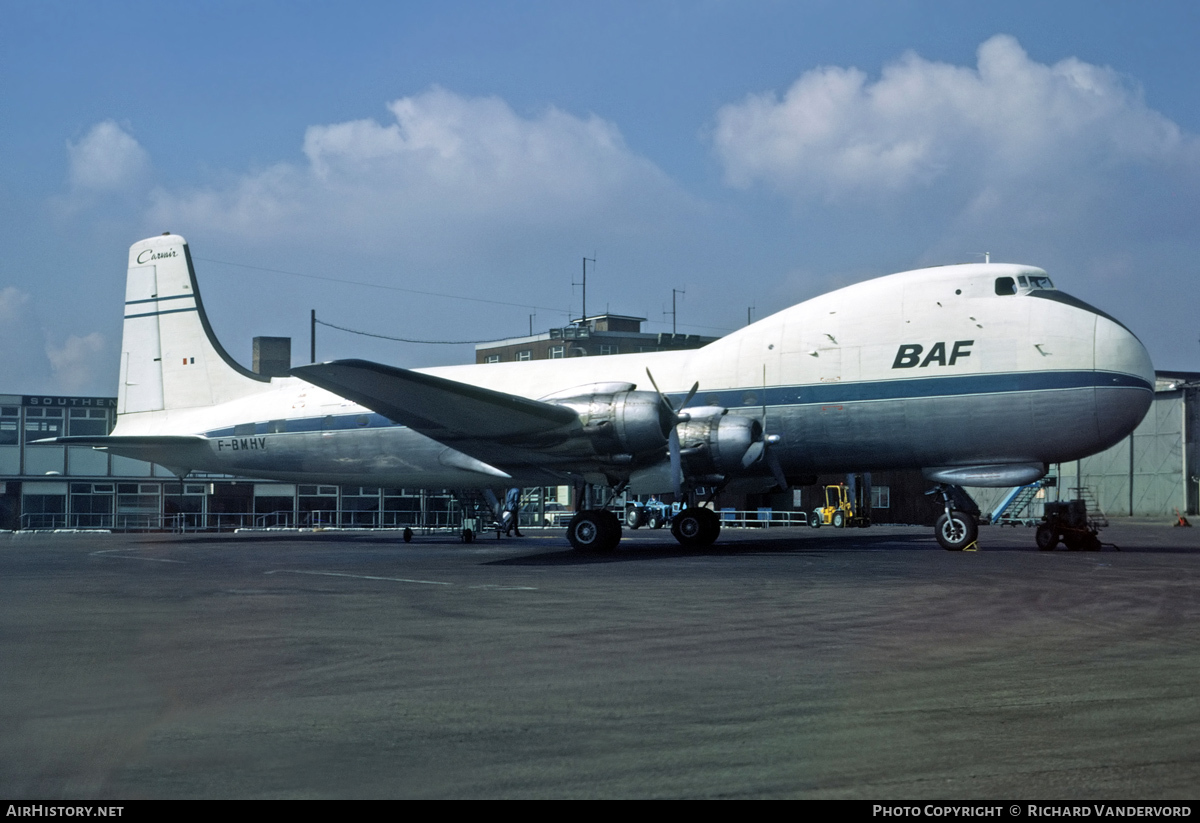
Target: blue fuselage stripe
913, 388
776, 396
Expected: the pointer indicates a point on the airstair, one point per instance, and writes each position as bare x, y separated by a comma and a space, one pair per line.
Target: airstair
1016, 509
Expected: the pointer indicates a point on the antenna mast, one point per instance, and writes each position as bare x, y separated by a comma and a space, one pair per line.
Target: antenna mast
673, 293
584, 284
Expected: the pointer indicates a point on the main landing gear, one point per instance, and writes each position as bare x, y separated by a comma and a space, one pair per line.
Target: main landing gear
599, 530
594, 530
696, 527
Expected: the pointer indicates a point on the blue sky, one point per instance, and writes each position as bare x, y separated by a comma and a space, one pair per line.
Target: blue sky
750, 153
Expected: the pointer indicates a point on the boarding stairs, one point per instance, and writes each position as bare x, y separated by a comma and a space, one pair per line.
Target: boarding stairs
1016, 507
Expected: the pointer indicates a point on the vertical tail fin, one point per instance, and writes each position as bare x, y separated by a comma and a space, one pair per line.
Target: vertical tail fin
170, 358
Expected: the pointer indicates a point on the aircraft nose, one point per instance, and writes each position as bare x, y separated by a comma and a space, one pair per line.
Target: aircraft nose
1125, 380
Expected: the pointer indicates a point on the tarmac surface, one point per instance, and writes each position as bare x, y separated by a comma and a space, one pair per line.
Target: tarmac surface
781, 663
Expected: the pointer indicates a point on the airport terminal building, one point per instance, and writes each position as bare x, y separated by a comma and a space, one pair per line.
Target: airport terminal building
70, 487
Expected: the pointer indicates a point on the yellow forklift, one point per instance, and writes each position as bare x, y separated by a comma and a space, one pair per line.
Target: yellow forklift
846, 504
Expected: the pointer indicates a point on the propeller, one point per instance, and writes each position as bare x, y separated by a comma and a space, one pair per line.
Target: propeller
673, 435
759, 448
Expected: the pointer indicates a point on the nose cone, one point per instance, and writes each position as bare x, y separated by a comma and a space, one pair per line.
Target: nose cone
1125, 380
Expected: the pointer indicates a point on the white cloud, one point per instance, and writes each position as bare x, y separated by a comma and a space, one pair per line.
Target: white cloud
24, 366
77, 362
444, 163
107, 158
1062, 166
33, 364
836, 135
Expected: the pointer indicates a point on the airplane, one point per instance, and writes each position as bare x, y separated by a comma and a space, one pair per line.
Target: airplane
977, 374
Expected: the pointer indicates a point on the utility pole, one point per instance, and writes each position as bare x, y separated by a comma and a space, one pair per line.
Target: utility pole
673, 293
584, 284
312, 337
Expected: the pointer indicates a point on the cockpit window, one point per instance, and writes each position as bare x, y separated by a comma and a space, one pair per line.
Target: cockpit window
1023, 284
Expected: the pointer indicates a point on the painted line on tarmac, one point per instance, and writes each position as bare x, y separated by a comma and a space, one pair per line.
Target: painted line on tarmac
488, 586
113, 553
495, 587
361, 577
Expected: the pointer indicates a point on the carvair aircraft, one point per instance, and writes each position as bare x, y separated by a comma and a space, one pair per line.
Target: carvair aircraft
977, 374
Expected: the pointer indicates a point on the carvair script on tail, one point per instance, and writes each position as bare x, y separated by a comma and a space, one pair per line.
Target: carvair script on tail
978, 374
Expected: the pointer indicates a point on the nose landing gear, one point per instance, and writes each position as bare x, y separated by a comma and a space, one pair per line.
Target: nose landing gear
956, 529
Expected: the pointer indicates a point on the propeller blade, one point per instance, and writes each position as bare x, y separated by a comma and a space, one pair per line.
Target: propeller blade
654, 383
776, 469
676, 462
687, 400
753, 454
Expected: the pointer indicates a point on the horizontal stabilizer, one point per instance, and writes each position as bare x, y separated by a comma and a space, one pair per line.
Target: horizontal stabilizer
445, 410
147, 441
176, 452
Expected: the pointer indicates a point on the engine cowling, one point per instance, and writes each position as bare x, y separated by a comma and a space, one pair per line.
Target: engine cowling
619, 421
713, 444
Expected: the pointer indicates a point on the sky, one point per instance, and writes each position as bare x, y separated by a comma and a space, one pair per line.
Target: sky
439, 171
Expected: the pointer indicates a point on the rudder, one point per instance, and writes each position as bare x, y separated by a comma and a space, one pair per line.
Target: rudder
170, 358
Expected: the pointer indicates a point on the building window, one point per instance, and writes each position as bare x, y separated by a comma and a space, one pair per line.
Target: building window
88, 422
42, 423
556, 352
493, 358
881, 497
609, 348
10, 418
526, 354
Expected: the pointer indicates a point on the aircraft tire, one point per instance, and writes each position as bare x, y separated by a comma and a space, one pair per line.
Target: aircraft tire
696, 526
594, 531
839, 520
1046, 538
956, 532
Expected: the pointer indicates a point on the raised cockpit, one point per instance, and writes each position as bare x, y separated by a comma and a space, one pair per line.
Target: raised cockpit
1023, 284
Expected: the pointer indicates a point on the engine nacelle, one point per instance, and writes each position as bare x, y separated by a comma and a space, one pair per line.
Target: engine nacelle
619, 421
714, 444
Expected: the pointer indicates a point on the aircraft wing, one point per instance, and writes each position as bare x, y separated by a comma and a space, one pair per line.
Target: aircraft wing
444, 410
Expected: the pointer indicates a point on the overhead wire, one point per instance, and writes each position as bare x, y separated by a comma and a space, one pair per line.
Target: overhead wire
410, 291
